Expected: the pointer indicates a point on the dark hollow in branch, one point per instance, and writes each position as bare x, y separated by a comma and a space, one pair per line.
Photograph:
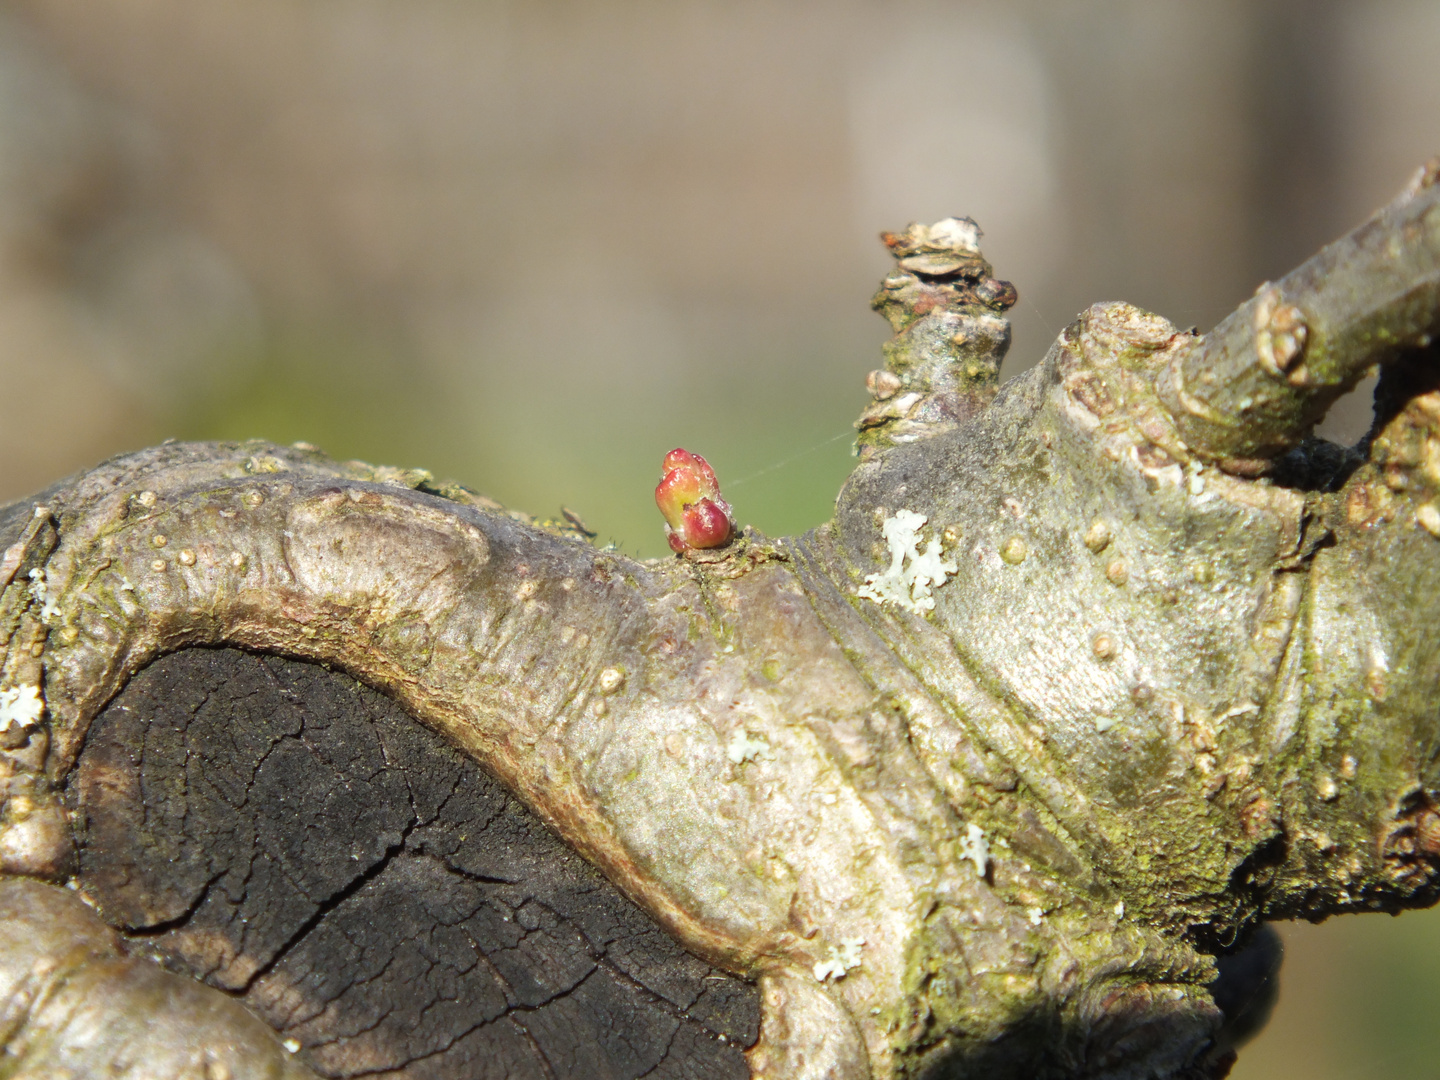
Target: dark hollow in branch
287, 835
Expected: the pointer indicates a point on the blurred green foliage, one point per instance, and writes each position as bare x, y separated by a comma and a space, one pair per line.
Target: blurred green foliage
781, 451
1357, 1002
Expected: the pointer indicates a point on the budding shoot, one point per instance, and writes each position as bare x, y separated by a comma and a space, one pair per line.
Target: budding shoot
688, 496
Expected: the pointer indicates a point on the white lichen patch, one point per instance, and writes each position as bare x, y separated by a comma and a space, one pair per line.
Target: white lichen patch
912, 573
843, 957
21, 705
40, 590
976, 848
1035, 915
956, 234
743, 748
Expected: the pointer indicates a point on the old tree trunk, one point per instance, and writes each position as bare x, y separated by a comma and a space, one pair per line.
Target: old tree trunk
997, 774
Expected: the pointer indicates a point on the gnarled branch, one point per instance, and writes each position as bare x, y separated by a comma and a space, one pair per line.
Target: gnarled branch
1085, 680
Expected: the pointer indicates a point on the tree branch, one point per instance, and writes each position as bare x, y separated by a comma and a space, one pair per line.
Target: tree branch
1255, 385
977, 779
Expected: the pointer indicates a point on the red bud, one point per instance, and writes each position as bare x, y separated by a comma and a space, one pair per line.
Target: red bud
688, 496
707, 524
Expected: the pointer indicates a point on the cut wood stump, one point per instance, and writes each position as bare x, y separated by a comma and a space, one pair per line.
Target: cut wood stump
293, 838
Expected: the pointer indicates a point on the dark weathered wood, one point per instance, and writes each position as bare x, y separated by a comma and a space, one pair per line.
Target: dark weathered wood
288, 835
981, 779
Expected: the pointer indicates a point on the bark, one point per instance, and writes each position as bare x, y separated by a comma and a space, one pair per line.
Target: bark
1085, 680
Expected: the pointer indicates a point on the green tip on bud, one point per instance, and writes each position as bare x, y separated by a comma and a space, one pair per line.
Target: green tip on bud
688, 496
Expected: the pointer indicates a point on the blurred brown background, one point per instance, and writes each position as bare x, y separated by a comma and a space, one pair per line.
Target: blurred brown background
532, 246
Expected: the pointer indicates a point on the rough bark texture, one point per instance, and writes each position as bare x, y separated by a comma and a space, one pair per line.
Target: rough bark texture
286, 834
1083, 682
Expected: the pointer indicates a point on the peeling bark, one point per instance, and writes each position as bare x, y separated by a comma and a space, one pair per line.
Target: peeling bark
1173, 675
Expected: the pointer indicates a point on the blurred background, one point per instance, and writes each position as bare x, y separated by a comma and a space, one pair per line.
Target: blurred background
533, 246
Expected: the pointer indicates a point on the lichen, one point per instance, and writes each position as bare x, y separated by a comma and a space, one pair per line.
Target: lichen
912, 573
976, 848
843, 958
21, 705
40, 590
743, 748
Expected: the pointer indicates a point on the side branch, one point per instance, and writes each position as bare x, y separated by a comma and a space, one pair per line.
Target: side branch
1255, 385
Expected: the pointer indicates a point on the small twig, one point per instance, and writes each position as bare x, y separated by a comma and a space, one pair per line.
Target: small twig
1256, 384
